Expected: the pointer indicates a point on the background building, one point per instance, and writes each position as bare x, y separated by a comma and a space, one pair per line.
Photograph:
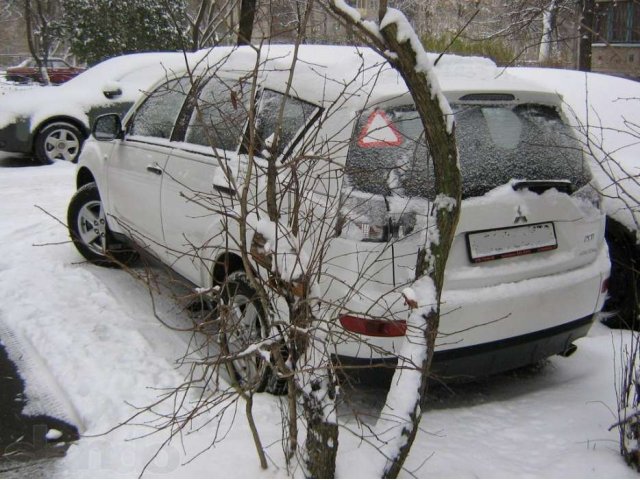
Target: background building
616, 48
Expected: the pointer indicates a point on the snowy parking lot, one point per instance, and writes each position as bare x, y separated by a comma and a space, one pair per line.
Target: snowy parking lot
92, 335
92, 351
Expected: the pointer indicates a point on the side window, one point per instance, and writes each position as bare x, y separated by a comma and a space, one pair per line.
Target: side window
296, 115
220, 115
157, 115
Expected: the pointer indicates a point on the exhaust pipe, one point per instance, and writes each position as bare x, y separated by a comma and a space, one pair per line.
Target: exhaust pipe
570, 350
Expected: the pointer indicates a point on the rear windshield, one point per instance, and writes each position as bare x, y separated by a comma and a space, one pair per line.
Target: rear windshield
496, 143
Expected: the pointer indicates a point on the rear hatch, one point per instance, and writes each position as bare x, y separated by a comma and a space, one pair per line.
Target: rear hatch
528, 209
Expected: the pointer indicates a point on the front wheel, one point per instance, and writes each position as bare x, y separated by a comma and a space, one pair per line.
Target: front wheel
89, 230
59, 141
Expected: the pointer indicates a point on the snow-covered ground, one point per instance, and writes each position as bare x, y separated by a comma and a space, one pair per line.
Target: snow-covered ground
94, 332
91, 350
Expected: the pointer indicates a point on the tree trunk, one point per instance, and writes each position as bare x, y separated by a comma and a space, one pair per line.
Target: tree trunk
35, 48
586, 35
444, 154
247, 15
321, 444
322, 447
315, 384
410, 379
549, 16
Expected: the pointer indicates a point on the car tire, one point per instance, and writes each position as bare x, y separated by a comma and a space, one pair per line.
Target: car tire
243, 322
17, 79
622, 304
58, 141
90, 233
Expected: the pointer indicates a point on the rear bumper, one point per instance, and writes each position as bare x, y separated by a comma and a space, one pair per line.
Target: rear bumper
491, 329
480, 360
502, 355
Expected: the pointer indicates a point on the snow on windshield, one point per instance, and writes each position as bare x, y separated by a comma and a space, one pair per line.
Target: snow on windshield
389, 155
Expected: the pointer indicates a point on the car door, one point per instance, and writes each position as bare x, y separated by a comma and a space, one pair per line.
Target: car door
200, 194
135, 170
199, 177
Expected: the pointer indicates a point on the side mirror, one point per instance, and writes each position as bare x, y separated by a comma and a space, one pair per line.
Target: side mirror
112, 90
107, 127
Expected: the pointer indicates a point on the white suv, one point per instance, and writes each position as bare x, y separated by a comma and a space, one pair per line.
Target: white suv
528, 267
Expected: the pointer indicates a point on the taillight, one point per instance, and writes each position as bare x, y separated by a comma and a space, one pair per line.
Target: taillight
589, 197
367, 218
374, 328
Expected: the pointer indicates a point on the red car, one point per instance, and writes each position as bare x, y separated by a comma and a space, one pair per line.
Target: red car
59, 71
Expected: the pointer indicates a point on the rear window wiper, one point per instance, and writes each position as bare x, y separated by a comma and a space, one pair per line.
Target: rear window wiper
541, 186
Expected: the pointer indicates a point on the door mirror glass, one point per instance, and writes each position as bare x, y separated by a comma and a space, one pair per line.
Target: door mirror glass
107, 127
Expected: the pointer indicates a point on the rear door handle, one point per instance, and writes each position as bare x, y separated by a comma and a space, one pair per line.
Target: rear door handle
154, 169
225, 190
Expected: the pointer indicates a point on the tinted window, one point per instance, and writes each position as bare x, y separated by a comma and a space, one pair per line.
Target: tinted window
157, 115
389, 156
295, 115
220, 115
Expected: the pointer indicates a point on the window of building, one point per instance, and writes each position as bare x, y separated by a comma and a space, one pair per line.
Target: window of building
618, 21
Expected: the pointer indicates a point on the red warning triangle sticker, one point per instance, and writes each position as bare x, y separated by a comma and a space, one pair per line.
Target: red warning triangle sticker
379, 132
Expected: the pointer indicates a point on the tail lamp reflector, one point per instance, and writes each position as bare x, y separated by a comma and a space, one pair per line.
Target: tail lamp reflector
374, 328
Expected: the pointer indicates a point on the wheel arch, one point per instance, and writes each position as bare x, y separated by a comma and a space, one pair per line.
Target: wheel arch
225, 264
83, 177
84, 129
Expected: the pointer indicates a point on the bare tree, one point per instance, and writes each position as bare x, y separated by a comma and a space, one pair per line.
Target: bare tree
411, 378
12, 38
209, 22
549, 17
587, 26
247, 16
40, 18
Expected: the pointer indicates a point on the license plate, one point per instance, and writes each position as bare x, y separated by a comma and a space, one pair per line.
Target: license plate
487, 245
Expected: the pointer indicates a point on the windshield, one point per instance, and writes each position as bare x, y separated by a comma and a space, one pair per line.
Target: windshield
388, 154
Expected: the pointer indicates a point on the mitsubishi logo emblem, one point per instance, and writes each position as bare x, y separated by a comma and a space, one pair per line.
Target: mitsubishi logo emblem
520, 217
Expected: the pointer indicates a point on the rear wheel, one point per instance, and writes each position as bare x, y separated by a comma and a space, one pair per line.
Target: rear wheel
89, 230
59, 141
243, 324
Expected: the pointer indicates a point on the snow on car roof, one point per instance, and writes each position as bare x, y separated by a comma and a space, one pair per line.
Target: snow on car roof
326, 72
